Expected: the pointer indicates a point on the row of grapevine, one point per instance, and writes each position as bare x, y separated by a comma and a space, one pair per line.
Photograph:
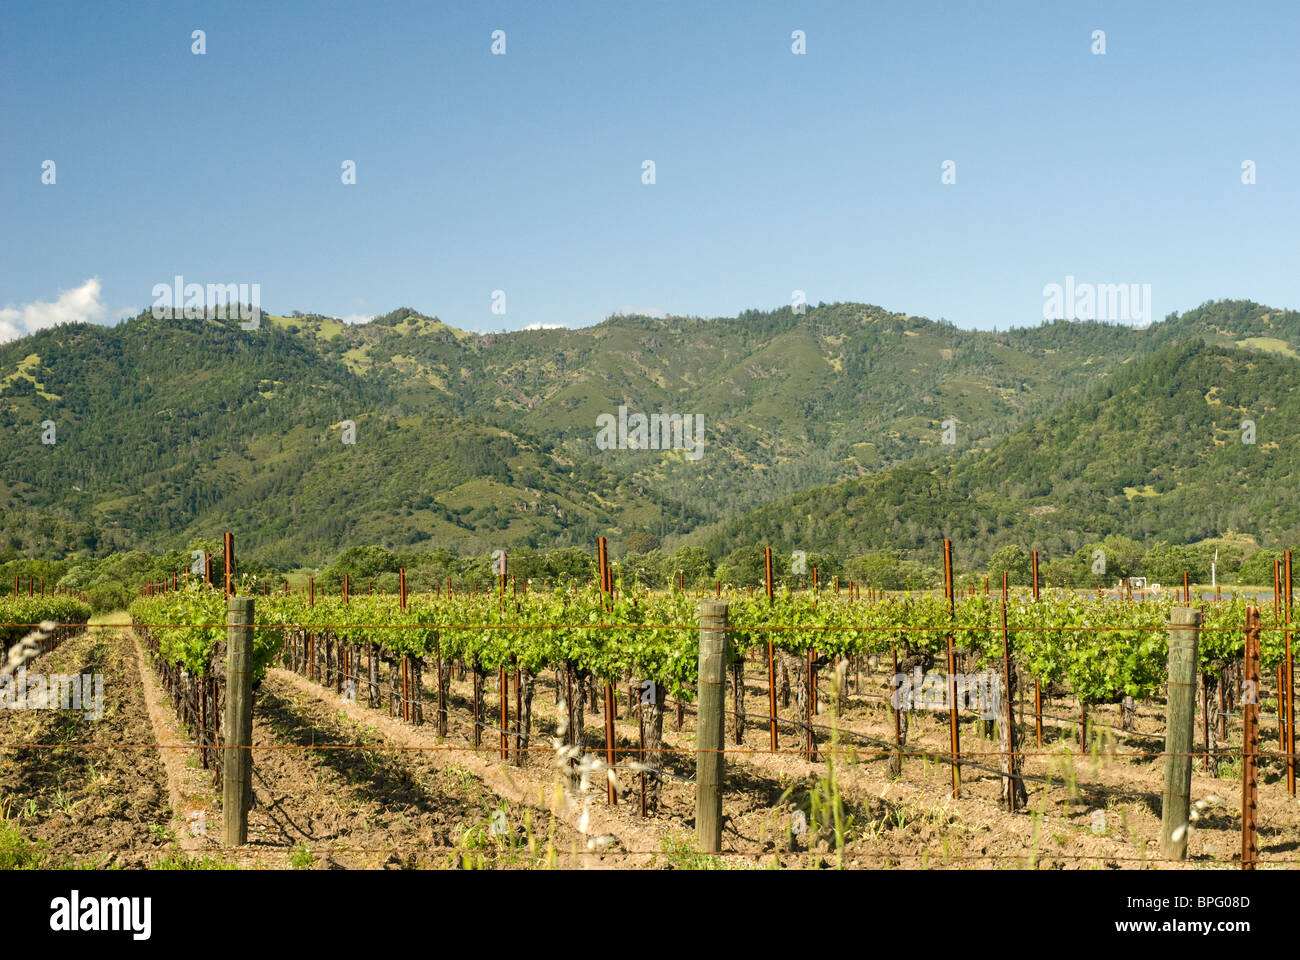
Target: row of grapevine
17, 613
1101, 648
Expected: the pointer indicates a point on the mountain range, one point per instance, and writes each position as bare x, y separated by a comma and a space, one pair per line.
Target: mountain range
842, 428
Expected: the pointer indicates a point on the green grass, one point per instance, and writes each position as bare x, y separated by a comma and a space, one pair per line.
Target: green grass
681, 854
17, 852
301, 858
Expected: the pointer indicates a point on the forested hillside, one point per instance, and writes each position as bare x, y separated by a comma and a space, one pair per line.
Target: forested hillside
1154, 452
165, 429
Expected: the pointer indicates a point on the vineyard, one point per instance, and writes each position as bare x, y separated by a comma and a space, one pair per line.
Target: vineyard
18, 614
847, 740
458, 674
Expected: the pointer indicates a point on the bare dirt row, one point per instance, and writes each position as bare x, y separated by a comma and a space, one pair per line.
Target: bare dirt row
341, 785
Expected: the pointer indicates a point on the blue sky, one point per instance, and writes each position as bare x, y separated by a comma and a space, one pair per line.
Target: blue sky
523, 172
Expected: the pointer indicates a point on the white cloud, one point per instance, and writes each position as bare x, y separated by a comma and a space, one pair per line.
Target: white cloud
546, 326
78, 305
356, 318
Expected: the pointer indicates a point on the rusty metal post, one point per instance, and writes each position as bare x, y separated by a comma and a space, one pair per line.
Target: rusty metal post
809, 739
568, 700
505, 714
1011, 719
442, 694
609, 738
954, 731
898, 720
228, 547
738, 686
476, 682
1205, 720
519, 720
1223, 716
1277, 591
1290, 682
1038, 687
1250, 741
771, 652
640, 723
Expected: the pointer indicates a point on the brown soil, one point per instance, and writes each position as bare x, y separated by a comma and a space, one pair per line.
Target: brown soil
339, 785
98, 798
1101, 809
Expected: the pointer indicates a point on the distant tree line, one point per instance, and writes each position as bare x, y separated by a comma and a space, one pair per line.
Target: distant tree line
111, 582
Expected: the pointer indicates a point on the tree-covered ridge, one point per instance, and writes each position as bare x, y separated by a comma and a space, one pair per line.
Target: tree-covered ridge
168, 429
171, 429
1154, 452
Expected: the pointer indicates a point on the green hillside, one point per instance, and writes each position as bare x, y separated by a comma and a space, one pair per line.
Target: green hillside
1154, 452
789, 401
171, 429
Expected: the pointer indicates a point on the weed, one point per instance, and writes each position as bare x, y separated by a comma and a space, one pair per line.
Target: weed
682, 855
301, 857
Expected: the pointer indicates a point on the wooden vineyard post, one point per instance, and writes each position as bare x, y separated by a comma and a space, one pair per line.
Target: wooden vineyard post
1250, 740
954, 731
771, 653
1180, 731
709, 764
237, 782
